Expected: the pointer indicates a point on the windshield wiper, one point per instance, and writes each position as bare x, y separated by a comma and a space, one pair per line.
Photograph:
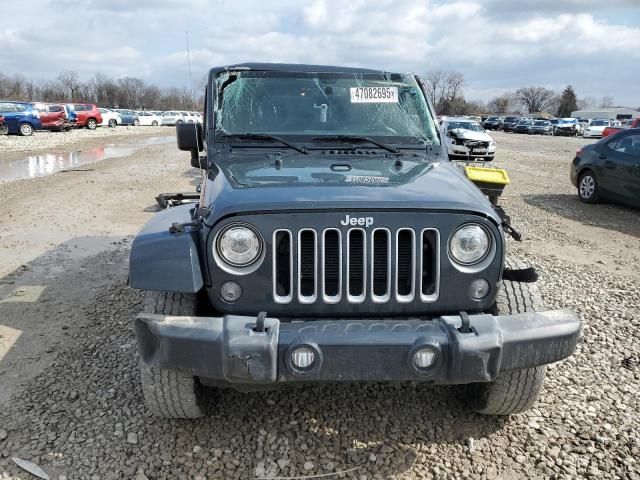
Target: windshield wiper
357, 139
265, 136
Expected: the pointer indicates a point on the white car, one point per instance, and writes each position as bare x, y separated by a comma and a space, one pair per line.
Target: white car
148, 119
191, 117
596, 127
109, 118
173, 118
467, 140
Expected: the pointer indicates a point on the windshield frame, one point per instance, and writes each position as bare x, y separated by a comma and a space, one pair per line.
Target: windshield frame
216, 87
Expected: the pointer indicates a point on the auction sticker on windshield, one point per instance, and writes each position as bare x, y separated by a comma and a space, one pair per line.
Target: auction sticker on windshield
374, 94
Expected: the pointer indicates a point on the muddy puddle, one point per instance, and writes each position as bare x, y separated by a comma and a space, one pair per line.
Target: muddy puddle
45, 164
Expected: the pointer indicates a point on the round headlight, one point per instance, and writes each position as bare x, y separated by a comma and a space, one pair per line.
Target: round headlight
239, 245
469, 244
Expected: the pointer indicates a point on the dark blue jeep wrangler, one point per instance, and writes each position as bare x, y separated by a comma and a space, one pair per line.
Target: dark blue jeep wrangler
333, 241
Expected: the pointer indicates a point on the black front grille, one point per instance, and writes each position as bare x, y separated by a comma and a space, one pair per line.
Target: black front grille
381, 265
334, 266
356, 263
307, 263
331, 263
405, 258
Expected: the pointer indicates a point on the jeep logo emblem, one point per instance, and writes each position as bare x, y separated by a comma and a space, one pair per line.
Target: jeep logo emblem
362, 221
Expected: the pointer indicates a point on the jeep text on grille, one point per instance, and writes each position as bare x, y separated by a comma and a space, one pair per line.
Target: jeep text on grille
333, 240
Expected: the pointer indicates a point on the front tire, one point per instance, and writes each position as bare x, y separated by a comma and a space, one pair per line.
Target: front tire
112, 123
512, 391
171, 393
154, 123
25, 129
136, 123
588, 187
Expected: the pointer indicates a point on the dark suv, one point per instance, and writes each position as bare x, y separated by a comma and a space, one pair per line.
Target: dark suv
509, 123
492, 123
333, 240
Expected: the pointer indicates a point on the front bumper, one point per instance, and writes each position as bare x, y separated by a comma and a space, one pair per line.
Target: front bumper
590, 134
566, 131
229, 349
463, 152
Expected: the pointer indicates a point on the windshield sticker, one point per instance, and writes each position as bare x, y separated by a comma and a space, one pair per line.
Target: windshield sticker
366, 179
374, 94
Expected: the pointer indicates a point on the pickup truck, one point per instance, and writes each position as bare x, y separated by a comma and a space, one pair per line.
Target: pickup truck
635, 123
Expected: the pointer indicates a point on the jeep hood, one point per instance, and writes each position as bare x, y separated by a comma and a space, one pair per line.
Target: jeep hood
373, 182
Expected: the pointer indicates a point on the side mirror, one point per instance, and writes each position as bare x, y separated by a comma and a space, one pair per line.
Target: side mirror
190, 139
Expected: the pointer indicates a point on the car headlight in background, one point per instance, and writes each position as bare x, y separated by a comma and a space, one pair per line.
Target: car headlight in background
469, 244
239, 245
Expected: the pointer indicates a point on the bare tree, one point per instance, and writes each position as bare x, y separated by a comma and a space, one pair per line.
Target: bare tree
130, 92
502, 104
102, 90
586, 103
150, 97
606, 102
444, 89
51, 92
535, 99
70, 81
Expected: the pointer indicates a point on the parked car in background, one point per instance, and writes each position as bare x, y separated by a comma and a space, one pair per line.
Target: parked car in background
173, 118
609, 169
149, 119
596, 127
198, 116
541, 127
467, 139
631, 123
4, 129
568, 126
20, 117
53, 117
128, 117
523, 125
87, 115
509, 123
110, 118
492, 123
189, 117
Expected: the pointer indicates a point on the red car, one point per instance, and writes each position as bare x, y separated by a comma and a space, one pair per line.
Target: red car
635, 123
52, 116
87, 115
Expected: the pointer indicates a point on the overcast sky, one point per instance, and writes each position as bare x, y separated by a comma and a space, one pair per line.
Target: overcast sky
499, 45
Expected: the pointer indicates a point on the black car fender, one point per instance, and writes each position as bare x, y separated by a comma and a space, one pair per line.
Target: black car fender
167, 258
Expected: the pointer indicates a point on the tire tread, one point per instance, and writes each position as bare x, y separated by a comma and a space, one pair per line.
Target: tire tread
512, 391
171, 393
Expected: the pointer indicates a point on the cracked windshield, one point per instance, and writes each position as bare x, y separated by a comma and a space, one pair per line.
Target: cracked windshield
388, 107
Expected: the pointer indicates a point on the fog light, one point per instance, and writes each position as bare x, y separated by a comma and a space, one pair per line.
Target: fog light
303, 357
479, 289
424, 358
230, 291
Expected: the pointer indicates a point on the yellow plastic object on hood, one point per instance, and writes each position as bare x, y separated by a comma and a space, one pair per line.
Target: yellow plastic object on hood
487, 175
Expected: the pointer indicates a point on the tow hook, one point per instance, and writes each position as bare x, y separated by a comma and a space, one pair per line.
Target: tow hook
465, 327
259, 328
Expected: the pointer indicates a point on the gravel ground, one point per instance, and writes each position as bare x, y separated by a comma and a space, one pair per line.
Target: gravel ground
79, 137
80, 413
